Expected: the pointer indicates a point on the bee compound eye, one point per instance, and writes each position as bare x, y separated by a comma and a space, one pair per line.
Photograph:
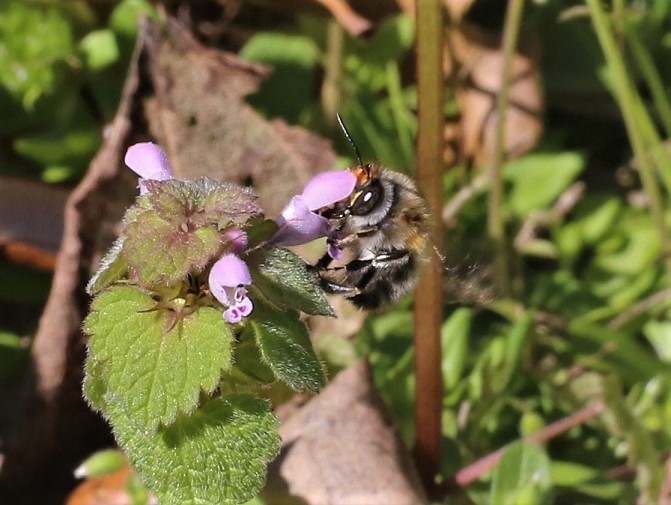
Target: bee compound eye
366, 201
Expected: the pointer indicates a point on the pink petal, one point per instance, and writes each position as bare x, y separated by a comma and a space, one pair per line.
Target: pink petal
335, 252
298, 225
328, 188
237, 238
232, 315
148, 161
245, 306
228, 272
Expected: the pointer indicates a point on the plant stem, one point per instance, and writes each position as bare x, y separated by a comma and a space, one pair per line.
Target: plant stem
429, 295
652, 77
634, 120
474, 471
330, 95
495, 218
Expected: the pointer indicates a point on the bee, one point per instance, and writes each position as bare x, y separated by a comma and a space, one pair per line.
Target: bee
382, 230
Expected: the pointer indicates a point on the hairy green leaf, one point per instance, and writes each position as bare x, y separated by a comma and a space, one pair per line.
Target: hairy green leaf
174, 229
214, 456
160, 252
151, 373
94, 386
112, 268
286, 347
248, 361
283, 278
223, 203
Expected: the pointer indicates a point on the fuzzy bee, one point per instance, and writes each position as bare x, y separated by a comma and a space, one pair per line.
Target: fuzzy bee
382, 230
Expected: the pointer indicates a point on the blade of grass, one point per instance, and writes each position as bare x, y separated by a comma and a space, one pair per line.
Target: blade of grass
636, 120
331, 92
495, 218
398, 111
428, 298
652, 77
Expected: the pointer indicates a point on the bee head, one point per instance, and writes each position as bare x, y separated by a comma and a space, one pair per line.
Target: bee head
371, 201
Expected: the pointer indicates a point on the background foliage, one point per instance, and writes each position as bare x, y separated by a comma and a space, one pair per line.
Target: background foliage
585, 317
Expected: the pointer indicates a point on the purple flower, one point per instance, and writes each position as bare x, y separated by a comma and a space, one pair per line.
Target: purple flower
298, 223
228, 278
148, 161
238, 240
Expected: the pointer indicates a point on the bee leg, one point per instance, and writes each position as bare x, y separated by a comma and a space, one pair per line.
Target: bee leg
338, 289
333, 287
392, 257
323, 262
344, 241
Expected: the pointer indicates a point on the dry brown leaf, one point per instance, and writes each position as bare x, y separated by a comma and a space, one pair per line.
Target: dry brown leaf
199, 115
31, 212
341, 447
479, 59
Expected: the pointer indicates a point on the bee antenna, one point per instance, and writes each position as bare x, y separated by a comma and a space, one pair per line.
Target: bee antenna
349, 138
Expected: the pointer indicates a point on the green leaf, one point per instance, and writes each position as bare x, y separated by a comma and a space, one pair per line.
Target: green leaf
214, 456
280, 48
159, 252
393, 38
566, 473
260, 230
658, 334
642, 247
222, 203
522, 476
284, 279
454, 342
14, 356
95, 386
515, 342
642, 452
112, 268
367, 61
599, 215
248, 361
137, 491
101, 463
182, 220
290, 87
100, 49
73, 146
152, 374
34, 44
125, 16
538, 179
286, 347
627, 357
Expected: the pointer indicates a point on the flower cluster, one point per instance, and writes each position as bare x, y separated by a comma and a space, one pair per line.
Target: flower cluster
298, 223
